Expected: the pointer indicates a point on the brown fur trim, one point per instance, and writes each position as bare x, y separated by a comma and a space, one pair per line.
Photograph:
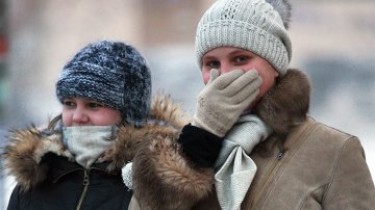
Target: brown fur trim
127, 143
23, 155
166, 117
287, 103
124, 148
164, 109
163, 179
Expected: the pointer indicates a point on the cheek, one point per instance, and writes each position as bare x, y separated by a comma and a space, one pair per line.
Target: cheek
269, 79
106, 117
266, 86
66, 118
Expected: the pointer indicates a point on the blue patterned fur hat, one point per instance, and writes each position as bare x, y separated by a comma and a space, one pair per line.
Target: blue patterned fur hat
112, 73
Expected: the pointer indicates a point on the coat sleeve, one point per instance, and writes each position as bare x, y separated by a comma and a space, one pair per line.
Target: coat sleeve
351, 184
165, 177
200, 146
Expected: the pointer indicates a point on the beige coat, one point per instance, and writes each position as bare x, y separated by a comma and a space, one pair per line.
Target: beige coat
303, 165
320, 168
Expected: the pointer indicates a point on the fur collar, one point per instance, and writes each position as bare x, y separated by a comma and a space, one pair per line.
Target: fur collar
282, 108
286, 105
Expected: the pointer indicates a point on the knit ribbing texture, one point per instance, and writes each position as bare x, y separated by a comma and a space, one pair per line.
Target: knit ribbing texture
112, 73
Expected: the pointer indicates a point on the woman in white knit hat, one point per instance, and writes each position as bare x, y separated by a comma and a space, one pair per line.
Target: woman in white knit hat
261, 150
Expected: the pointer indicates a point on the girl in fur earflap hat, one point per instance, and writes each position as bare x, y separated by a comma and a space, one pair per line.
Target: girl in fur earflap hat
105, 92
251, 144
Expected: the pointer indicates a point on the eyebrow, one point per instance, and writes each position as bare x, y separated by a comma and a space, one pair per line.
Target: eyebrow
209, 57
237, 51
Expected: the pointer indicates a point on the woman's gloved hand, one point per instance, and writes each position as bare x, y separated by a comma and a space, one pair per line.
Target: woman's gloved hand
224, 98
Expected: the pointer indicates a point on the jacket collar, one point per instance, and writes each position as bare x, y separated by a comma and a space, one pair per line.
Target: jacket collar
285, 106
62, 166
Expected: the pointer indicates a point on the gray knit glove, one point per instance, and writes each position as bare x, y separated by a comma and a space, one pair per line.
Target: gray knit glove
224, 98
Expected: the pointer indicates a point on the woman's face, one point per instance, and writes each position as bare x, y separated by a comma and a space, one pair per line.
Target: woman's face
87, 112
226, 59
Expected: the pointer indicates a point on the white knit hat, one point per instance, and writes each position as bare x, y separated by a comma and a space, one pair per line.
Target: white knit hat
259, 26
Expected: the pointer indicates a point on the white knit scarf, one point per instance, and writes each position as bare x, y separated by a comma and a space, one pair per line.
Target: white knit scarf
235, 170
87, 143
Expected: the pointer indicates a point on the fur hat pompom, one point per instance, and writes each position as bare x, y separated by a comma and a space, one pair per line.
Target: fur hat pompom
283, 7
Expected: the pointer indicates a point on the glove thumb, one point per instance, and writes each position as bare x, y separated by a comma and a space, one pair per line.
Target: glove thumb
214, 73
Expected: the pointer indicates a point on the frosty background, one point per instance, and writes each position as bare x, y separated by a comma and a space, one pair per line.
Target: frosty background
333, 42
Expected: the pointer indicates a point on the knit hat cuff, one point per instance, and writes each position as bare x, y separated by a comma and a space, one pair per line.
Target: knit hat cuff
238, 34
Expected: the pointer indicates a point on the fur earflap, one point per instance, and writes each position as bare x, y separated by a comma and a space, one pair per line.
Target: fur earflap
287, 103
283, 7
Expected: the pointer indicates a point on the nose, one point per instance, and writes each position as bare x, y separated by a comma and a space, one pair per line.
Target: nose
79, 117
225, 67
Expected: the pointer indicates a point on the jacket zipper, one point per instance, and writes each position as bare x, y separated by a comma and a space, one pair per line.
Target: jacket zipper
86, 182
265, 182
275, 164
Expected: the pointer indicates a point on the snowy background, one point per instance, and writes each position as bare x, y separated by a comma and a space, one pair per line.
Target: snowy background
333, 42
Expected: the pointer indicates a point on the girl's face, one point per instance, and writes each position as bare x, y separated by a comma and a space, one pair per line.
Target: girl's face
87, 112
226, 59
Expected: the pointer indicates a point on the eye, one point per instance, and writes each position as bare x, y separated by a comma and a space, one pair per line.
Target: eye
68, 103
212, 64
241, 59
95, 105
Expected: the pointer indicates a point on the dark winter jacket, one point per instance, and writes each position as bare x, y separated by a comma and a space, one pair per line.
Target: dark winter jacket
47, 178
69, 186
